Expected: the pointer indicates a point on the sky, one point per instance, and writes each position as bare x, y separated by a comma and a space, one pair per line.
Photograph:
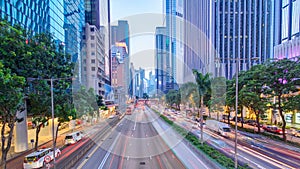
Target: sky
143, 17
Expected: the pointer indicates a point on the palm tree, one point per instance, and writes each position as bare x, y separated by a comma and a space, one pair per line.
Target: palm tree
204, 89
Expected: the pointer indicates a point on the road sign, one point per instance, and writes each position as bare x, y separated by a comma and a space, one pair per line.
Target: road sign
47, 159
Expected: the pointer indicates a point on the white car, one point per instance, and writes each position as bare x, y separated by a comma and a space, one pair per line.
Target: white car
111, 116
38, 159
73, 137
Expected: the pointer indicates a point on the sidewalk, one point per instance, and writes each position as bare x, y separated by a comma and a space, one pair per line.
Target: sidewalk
42, 140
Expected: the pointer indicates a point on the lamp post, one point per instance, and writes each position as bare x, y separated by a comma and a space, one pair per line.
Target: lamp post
52, 109
236, 103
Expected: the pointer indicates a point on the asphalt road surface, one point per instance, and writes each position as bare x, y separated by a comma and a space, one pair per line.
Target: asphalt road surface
135, 144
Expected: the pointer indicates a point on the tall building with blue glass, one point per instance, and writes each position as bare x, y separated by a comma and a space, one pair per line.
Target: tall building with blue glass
162, 59
175, 32
243, 31
62, 18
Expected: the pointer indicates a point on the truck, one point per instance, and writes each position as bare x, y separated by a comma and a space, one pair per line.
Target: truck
222, 128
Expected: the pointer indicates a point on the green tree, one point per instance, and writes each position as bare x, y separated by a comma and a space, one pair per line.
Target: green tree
64, 110
85, 101
189, 91
173, 97
281, 81
204, 89
251, 93
218, 95
11, 100
39, 107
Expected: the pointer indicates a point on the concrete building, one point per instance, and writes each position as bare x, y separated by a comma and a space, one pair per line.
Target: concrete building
93, 59
120, 68
242, 32
287, 29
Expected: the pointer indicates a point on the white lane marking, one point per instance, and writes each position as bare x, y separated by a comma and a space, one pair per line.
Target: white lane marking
135, 123
108, 152
93, 152
267, 158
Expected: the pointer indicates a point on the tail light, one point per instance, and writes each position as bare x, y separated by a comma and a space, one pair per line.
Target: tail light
36, 159
25, 160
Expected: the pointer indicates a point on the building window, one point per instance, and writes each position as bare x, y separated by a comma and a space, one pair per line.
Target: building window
84, 60
92, 29
92, 37
92, 45
84, 68
93, 53
93, 68
93, 61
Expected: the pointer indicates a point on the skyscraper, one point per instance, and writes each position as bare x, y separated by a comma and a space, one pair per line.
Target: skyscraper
198, 37
287, 29
123, 33
94, 53
92, 12
162, 59
174, 25
61, 18
93, 59
242, 32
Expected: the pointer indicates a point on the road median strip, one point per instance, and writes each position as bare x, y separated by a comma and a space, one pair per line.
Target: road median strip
211, 152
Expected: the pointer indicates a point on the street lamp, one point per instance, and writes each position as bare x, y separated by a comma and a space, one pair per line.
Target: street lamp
52, 108
237, 62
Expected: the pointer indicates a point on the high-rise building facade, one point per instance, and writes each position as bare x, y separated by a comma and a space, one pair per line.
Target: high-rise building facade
119, 74
93, 59
162, 60
92, 12
287, 29
243, 34
198, 37
32, 15
63, 19
174, 25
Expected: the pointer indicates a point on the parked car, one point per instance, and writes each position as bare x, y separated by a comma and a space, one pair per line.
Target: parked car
39, 158
297, 133
239, 120
273, 129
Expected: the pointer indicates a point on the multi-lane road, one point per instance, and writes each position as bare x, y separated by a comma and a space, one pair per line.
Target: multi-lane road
255, 150
136, 143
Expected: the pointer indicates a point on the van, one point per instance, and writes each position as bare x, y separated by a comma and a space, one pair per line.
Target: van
37, 158
73, 138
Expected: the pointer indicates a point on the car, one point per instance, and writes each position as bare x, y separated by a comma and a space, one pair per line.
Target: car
273, 129
111, 116
73, 137
39, 158
239, 120
297, 133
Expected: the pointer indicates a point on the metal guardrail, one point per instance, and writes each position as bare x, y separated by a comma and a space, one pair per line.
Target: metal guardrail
73, 159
